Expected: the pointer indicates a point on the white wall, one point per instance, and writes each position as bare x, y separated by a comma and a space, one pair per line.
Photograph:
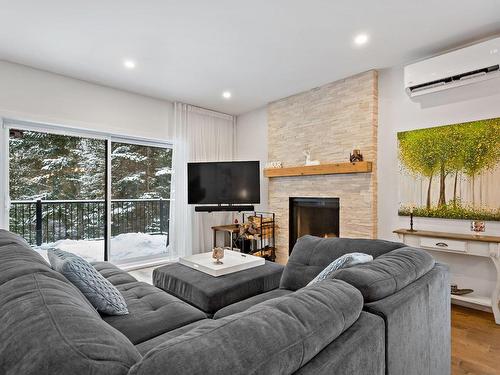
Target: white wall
397, 112
34, 95
251, 144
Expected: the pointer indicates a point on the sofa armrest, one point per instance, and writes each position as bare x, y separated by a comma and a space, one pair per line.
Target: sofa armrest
417, 323
359, 350
388, 273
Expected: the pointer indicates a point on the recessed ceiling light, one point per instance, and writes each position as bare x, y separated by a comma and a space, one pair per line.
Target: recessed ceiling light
361, 39
226, 94
129, 64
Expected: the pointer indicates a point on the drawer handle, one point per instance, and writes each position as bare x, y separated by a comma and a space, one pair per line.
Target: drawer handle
442, 244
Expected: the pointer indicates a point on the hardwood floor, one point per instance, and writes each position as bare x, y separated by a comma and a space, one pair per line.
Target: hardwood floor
475, 342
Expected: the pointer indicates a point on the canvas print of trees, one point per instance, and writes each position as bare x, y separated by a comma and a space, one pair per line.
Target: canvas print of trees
451, 171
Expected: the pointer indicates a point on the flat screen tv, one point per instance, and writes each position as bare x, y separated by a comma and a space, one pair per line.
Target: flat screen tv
228, 182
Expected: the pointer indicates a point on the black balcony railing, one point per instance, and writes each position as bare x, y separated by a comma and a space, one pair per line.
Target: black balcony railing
46, 221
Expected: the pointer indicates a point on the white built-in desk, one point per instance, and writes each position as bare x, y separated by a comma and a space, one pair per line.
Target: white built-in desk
466, 244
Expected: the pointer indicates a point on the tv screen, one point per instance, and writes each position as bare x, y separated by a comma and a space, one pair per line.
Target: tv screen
233, 182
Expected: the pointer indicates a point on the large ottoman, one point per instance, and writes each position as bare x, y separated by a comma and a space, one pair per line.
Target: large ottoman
209, 293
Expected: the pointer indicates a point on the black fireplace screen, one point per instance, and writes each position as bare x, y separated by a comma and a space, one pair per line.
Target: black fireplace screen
315, 216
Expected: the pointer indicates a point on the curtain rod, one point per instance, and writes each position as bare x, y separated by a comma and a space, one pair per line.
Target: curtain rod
208, 110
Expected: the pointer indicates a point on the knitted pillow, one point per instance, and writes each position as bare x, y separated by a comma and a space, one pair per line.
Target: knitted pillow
99, 291
346, 260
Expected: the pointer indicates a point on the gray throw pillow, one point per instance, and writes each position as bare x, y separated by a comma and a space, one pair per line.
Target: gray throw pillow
100, 292
346, 260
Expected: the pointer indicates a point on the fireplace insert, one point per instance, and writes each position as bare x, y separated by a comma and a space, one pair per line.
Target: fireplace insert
314, 216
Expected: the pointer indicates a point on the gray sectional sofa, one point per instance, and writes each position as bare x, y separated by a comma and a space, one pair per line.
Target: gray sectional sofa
390, 316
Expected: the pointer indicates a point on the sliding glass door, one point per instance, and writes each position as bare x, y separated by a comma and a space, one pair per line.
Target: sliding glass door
57, 191
140, 201
100, 197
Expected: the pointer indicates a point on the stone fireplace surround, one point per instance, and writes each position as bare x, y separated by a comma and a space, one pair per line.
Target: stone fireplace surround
329, 121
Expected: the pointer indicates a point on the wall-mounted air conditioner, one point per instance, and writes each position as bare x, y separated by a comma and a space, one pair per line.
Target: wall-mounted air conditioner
453, 69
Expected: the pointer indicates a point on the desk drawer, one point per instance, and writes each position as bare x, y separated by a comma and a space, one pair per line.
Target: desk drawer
443, 244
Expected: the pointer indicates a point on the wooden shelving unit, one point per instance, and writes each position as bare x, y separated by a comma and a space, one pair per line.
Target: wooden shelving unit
264, 245
310, 170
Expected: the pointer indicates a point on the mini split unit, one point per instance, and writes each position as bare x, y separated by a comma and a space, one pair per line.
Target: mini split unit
461, 67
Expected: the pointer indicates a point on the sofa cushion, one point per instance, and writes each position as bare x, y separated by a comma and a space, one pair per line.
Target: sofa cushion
274, 337
146, 346
388, 273
47, 327
311, 255
249, 302
151, 312
100, 292
113, 274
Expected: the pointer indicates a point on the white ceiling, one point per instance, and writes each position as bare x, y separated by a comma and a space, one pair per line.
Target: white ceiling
260, 50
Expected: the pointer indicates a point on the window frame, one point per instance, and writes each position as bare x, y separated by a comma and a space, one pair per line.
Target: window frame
108, 137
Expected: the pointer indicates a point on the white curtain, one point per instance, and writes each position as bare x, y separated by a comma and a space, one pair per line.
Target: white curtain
199, 135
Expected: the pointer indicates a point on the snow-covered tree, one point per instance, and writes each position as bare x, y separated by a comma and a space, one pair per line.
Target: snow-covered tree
60, 167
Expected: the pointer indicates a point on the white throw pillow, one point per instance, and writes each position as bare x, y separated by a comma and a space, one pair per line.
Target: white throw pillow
345, 261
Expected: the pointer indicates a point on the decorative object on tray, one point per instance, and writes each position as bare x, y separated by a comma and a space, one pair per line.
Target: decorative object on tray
356, 156
218, 254
459, 292
308, 161
477, 226
274, 164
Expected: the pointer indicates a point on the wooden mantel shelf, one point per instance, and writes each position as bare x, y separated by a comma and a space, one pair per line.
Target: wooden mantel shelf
310, 170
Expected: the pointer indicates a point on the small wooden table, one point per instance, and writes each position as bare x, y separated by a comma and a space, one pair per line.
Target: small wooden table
466, 244
230, 228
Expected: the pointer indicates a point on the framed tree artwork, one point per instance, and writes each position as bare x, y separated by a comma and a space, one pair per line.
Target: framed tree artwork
451, 171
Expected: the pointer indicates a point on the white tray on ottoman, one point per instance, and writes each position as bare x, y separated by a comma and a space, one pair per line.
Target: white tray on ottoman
233, 261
